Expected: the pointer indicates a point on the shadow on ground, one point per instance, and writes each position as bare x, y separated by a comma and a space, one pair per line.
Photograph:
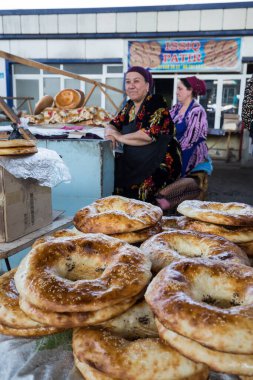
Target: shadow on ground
231, 182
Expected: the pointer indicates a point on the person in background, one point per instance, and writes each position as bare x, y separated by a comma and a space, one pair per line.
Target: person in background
151, 157
191, 131
191, 123
247, 108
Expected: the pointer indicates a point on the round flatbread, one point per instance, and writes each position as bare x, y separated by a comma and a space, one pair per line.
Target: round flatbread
44, 102
16, 143
18, 151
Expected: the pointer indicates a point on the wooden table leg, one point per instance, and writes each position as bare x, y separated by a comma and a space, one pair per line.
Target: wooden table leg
228, 146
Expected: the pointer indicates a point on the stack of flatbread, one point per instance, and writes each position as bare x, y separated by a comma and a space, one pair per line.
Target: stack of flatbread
17, 147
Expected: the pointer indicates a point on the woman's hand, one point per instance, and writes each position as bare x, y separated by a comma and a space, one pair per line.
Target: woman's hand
109, 129
112, 139
110, 134
137, 138
116, 134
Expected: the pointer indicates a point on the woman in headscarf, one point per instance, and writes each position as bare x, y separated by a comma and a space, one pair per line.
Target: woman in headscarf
191, 124
151, 157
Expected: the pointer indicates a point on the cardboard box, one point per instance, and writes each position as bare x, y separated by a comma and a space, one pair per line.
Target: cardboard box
24, 206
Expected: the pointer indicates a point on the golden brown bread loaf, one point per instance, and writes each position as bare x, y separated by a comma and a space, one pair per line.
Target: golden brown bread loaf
18, 151
137, 322
235, 234
107, 356
16, 143
44, 102
210, 302
231, 213
68, 99
116, 214
81, 274
173, 245
13, 321
75, 319
57, 234
247, 247
236, 364
139, 236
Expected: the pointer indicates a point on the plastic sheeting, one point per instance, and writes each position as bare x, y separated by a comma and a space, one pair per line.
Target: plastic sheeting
47, 358
46, 167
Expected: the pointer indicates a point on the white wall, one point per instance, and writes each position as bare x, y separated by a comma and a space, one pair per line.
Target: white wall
57, 49
129, 22
247, 46
82, 49
113, 22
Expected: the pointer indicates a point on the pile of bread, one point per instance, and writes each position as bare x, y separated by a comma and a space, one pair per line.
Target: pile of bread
65, 99
17, 147
121, 218
175, 307
67, 107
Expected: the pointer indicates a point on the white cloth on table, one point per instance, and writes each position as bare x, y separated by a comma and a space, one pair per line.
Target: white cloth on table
46, 167
44, 358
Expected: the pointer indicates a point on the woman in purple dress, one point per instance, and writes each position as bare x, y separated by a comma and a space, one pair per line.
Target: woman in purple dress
191, 124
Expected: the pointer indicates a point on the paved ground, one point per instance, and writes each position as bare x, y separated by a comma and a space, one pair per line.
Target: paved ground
230, 182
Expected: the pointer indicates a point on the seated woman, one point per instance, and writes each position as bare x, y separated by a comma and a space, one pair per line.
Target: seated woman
191, 131
151, 157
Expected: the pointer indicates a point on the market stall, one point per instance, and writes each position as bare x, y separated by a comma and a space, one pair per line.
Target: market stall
89, 159
72, 301
76, 132
118, 334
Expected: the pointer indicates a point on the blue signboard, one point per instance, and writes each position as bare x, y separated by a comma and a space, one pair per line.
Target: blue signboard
198, 55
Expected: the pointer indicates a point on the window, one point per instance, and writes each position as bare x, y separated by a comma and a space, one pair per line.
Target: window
84, 68
37, 83
56, 66
27, 88
95, 99
209, 101
22, 69
230, 98
116, 97
51, 86
114, 69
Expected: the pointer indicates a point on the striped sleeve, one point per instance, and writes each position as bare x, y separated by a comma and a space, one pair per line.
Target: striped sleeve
197, 126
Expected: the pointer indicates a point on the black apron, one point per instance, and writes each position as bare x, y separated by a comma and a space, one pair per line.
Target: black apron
139, 162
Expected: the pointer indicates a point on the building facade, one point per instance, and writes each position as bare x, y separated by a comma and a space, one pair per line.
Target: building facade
212, 41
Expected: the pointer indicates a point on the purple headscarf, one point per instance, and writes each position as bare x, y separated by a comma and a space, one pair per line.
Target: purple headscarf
144, 72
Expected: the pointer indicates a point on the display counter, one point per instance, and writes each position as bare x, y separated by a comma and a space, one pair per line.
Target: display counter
91, 165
